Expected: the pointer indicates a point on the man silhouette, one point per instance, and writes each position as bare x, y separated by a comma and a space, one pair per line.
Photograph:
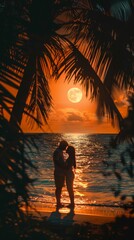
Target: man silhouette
59, 171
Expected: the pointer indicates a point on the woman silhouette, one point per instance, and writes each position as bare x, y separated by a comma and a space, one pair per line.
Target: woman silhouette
70, 173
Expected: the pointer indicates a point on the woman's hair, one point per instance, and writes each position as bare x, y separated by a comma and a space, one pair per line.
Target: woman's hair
71, 152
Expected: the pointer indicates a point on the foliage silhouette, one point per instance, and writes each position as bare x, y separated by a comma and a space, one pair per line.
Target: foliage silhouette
15, 183
40, 228
33, 52
121, 157
103, 50
35, 48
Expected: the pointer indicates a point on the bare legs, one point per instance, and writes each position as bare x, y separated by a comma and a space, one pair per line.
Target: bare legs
59, 183
58, 195
69, 182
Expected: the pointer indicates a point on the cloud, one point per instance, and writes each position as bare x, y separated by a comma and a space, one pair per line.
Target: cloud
74, 117
71, 115
70, 120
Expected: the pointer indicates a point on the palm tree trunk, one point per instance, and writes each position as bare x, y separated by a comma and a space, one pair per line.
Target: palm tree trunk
22, 95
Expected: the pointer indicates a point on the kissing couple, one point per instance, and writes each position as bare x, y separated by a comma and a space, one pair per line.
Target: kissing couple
64, 172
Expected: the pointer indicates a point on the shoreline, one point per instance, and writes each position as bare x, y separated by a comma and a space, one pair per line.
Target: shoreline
93, 214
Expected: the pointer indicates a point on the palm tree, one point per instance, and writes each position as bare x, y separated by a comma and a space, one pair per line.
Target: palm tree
31, 54
37, 41
102, 58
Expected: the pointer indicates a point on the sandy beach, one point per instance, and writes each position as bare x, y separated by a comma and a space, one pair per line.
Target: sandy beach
93, 214
93, 223
44, 222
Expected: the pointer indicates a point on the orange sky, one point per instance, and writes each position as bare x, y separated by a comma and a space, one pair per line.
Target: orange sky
68, 117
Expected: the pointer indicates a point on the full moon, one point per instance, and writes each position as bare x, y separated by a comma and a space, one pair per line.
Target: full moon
74, 95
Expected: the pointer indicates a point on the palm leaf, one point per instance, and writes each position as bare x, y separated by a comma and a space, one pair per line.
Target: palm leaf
77, 65
40, 99
107, 42
15, 181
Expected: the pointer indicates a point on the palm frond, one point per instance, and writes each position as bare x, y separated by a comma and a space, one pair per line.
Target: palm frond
106, 43
15, 181
40, 99
77, 65
127, 130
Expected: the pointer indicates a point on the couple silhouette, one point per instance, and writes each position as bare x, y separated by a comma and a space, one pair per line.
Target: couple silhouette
64, 171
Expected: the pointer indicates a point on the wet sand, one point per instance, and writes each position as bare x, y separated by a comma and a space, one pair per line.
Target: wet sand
80, 214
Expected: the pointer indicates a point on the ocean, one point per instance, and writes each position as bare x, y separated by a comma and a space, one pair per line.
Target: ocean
96, 182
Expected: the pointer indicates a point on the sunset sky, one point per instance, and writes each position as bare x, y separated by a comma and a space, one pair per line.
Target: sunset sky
68, 117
